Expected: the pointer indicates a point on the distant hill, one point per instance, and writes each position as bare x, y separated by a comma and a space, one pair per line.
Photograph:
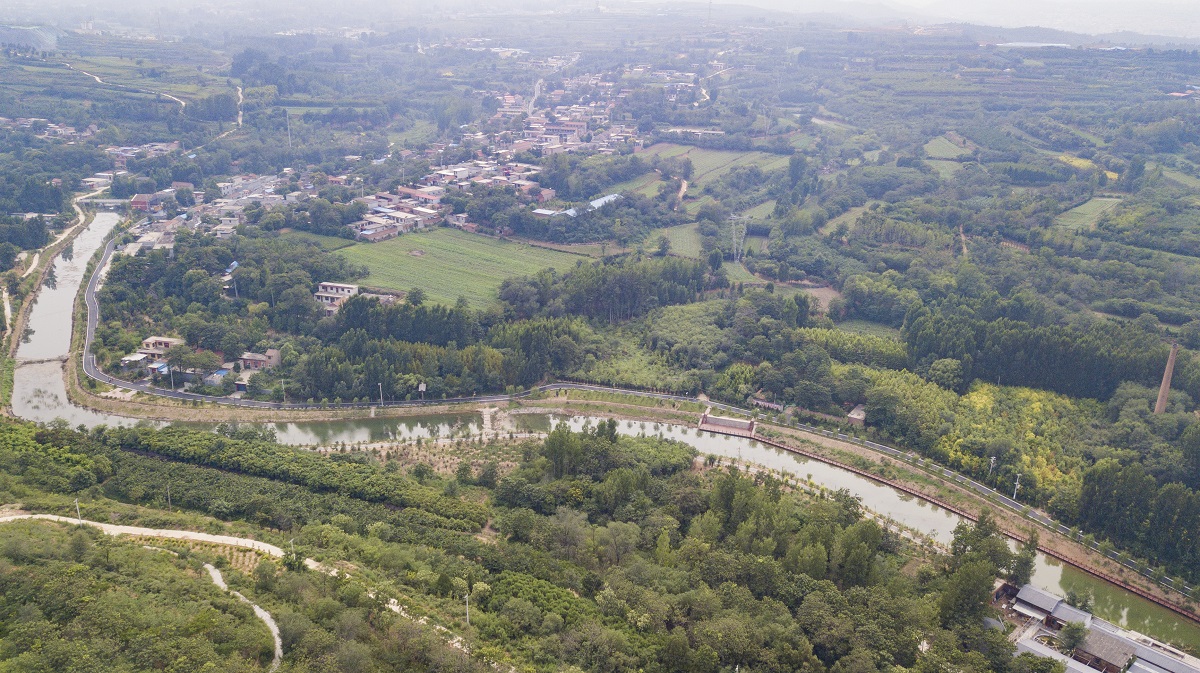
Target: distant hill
38, 37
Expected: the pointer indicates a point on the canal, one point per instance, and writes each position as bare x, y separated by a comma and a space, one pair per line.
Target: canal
39, 394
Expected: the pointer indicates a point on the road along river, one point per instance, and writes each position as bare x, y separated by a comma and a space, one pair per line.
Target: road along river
39, 394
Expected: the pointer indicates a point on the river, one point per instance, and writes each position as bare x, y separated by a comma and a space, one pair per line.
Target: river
39, 394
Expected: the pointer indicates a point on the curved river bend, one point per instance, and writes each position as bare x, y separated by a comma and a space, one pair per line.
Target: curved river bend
39, 394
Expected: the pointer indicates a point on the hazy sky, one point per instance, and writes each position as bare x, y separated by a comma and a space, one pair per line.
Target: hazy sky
1161, 17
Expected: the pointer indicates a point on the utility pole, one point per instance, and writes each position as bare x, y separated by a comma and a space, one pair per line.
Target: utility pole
468, 608
78, 516
288, 114
168, 497
381, 393
991, 465
1017, 486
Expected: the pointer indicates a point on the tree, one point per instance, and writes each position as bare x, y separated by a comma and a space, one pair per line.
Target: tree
464, 474
965, 597
416, 296
947, 373
1072, 636
1021, 569
664, 246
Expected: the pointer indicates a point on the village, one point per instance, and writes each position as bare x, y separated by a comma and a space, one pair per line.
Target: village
1049, 626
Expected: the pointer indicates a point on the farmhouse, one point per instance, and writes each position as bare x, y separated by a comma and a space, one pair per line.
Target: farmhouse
259, 361
157, 346
333, 295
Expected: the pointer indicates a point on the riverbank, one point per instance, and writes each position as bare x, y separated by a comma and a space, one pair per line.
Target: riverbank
364, 422
948, 493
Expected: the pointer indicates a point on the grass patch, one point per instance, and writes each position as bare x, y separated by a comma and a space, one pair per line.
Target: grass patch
762, 211
868, 328
420, 132
709, 165
739, 274
326, 243
1086, 215
1083, 164
448, 263
685, 239
633, 366
1180, 177
941, 148
646, 185
945, 169
850, 217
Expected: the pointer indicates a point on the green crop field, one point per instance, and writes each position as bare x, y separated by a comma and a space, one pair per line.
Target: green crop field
941, 148
448, 263
1087, 215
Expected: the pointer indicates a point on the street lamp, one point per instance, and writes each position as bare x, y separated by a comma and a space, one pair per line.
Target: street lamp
1017, 486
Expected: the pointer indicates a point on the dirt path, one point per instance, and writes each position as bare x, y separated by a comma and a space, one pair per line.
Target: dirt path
259, 612
32, 264
244, 543
182, 103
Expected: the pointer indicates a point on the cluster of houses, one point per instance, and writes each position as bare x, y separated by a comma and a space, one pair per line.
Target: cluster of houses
1106, 648
390, 214
122, 155
151, 359
48, 130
